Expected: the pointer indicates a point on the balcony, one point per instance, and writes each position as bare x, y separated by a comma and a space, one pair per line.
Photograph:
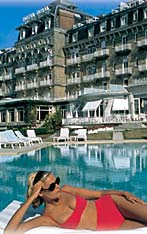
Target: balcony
103, 53
32, 85
142, 67
45, 83
87, 57
20, 70
142, 43
123, 71
74, 81
20, 87
126, 48
89, 78
101, 75
32, 67
6, 77
46, 63
72, 61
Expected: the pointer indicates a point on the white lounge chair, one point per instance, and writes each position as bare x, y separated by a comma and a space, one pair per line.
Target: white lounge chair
7, 141
31, 134
64, 135
82, 134
11, 136
21, 136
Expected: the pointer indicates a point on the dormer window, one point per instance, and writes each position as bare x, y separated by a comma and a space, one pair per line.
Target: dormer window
145, 13
47, 23
34, 29
90, 32
103, 27
75, 36
22, 34
113, 23
124, 20
135, 16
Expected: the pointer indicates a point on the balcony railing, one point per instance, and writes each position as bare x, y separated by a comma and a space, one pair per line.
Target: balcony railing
102, 53
88, 78
100, 75
87, 57
123, 71
45, 82
20, 70
73, 81
142, 67
46, 63
142, 43
32, 67
73, 60
20, 87
32, 85
123, 48
6, 77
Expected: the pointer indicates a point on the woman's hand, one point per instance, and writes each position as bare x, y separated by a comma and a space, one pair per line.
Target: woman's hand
36, 189
130, 197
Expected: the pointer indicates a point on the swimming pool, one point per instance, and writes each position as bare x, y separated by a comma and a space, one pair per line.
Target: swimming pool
102, 166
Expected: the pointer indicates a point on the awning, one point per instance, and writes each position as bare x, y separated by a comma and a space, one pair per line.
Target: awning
120, 104
91, 106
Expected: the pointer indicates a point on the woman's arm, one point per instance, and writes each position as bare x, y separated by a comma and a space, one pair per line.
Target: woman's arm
94, 194
15, 223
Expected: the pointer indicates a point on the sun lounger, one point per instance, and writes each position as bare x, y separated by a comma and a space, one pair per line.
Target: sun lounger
7, 213
11, 136
31, 134
21, 136
64, 135
7, 142
82, 134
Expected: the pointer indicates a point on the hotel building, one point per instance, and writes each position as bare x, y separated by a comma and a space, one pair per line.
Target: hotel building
94, 68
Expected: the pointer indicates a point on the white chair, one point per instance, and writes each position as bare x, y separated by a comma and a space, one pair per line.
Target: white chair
7, 140
31, 134
21, 136
64, 135
23, 141
82, 134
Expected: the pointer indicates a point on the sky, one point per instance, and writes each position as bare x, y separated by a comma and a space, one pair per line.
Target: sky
13, 11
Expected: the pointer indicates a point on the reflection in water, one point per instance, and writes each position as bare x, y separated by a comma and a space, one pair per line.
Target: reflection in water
118, 166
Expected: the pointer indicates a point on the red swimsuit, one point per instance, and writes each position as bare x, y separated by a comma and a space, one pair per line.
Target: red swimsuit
108, 215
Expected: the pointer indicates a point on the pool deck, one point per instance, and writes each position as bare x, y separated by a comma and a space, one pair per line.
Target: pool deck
18, 151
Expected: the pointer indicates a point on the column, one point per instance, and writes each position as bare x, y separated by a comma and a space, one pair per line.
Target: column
131, 106
15, 115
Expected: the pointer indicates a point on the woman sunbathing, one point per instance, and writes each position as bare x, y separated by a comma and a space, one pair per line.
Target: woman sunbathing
77, 208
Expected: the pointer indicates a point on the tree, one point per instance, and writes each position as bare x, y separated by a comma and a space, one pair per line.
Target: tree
54, 121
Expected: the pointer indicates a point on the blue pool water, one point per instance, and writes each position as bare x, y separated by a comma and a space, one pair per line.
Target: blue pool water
106, 166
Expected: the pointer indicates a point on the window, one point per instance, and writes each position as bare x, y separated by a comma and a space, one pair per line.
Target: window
103, 45
124, 40
145, 34
124, 20
136, 62
114, 67
125, 82
113, 23
90, 32
135, 37
75, 36
103, 26
145, 13
113, 43
135, 16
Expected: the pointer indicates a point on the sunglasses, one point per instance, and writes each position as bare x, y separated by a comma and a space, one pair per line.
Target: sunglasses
52, 185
